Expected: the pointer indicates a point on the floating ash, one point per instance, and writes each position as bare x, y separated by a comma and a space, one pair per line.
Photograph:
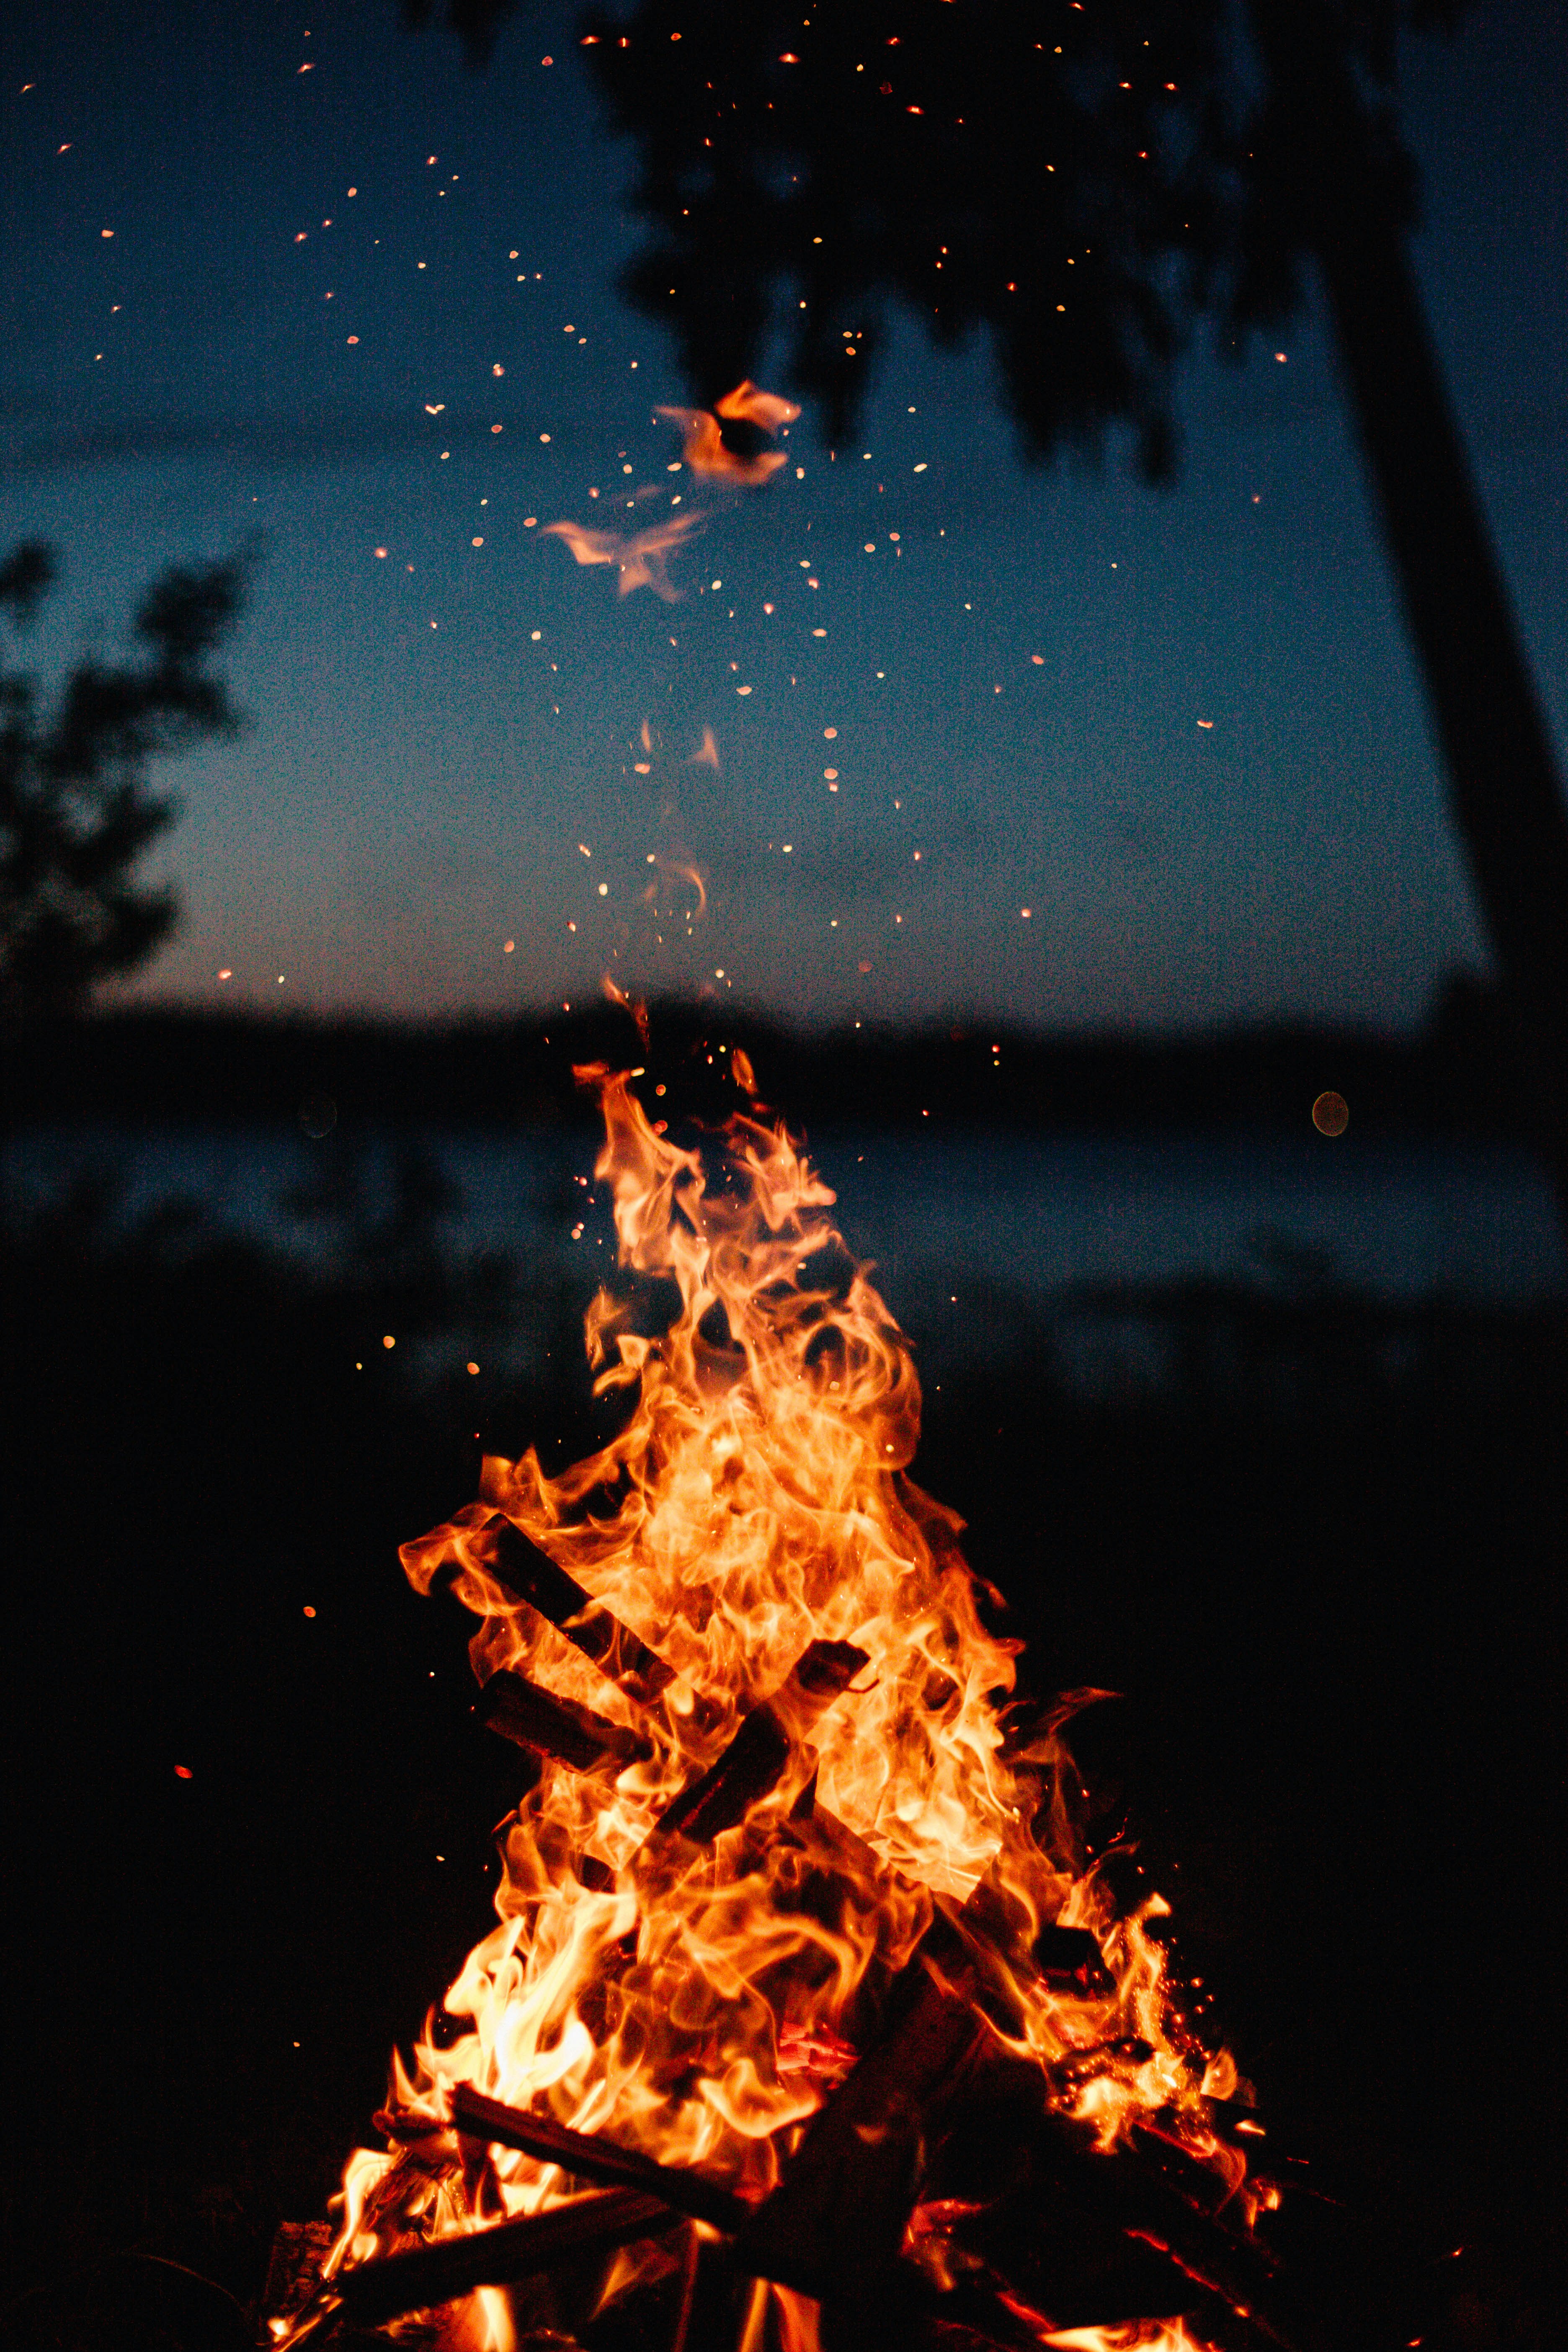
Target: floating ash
807, 2020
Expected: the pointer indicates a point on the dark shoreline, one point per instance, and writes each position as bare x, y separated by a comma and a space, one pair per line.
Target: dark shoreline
1455, 1078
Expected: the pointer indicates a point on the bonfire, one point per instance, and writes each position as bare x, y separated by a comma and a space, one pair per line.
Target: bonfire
808, 2019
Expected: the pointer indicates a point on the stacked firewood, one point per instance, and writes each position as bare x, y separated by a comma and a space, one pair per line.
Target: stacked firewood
941, 2196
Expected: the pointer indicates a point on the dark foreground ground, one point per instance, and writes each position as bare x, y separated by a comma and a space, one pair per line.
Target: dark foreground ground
1322, 1560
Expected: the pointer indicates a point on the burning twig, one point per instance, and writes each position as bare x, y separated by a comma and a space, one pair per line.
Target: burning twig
591, 2158
757, 1758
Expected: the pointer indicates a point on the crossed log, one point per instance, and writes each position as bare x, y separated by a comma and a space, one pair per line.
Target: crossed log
1080, 2239
936, 2110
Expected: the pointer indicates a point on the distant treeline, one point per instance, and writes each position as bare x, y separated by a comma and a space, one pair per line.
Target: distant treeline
1457, 1076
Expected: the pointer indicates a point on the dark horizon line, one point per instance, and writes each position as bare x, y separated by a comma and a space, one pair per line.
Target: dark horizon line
1459, 992
1458, 1076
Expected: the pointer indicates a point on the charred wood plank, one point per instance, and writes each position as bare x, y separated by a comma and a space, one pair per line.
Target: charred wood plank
847, 2194
1101, 2237
536, 1719
757, 1758
587, 1624
593, 2158
752, 1763
440, 2273
973, 2318
1093, 2234
300, 2250
1070, 2277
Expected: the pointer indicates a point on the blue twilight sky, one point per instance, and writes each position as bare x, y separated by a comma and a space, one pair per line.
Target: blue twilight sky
323, 290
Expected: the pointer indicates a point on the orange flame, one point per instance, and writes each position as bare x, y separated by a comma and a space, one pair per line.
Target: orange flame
697, 2002
703, 446
627, 1002
640, 556
1131, 2336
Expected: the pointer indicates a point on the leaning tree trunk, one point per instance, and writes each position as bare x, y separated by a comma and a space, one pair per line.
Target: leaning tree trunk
1505, 794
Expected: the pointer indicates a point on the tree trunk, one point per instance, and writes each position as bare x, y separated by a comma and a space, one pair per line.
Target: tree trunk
1505, 794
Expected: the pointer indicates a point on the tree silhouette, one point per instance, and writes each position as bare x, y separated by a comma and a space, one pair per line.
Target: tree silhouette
1088, 181
76, 810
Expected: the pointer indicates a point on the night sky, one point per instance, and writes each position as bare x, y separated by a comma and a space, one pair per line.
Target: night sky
1181, 729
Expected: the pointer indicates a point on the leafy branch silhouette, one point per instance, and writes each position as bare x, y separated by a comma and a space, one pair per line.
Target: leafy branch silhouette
77, 808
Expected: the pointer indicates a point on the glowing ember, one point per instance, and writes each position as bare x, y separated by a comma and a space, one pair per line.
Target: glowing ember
778, 1768
706, 451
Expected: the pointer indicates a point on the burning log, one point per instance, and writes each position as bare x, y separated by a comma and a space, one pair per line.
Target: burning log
678, 2187
549, 1726
1088, 2239
535, 2242
757, 1756
845, 2198
533, 1577
904, 2297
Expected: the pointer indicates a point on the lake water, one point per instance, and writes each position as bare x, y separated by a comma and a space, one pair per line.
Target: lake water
963, 1226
